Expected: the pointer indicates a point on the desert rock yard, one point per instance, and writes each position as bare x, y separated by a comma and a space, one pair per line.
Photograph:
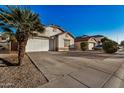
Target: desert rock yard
64, 70
22, 76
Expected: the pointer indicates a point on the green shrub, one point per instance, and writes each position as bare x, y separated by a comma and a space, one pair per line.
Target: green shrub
84, 46
104, 39
110, 46
122, 43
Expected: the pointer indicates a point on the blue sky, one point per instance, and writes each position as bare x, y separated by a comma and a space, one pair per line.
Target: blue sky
85, 20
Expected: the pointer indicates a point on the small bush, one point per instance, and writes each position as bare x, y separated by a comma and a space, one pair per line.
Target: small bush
122, 43
104, 39
84, 46
110, 46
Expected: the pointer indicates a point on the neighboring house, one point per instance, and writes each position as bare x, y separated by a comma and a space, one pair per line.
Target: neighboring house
98, 39
3, 39
53, 38
90, 40
4, 44
93, 41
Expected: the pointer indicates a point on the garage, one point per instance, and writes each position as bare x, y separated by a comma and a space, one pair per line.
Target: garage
90, 46
37, 44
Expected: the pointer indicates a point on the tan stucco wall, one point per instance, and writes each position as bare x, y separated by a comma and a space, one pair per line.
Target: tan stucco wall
61, 41
50, 31
77, 45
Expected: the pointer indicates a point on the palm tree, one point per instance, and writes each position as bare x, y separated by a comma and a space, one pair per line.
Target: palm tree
24, 22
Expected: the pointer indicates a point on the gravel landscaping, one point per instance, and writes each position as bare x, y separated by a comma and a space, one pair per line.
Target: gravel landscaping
24, 76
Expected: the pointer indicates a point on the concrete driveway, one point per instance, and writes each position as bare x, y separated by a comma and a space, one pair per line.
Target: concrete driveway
80, 69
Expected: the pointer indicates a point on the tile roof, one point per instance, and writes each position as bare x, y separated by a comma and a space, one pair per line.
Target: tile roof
82, 38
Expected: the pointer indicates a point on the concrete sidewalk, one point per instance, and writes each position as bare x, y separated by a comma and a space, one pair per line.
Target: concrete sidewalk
79, 72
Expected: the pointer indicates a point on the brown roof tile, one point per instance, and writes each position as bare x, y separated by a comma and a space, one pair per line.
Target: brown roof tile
83, 39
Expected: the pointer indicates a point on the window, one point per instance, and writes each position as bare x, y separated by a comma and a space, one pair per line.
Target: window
66, 43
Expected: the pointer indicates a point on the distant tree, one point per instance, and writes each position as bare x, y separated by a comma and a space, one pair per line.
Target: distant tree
122, 43
110, 46
84, 46
105, 39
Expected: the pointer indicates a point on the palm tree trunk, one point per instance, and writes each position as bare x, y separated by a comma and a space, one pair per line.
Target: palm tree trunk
21, 51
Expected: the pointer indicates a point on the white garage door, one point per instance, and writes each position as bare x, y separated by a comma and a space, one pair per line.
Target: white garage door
90, 46
35, 45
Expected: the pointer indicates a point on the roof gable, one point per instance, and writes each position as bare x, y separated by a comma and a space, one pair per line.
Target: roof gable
84, 39
64, 33
56, 27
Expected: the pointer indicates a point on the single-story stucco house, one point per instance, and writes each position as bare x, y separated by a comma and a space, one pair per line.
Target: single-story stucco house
91, 42
53, 38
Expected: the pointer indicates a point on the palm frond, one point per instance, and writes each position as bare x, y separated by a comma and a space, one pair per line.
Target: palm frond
24, 20
2, 24
6, 29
